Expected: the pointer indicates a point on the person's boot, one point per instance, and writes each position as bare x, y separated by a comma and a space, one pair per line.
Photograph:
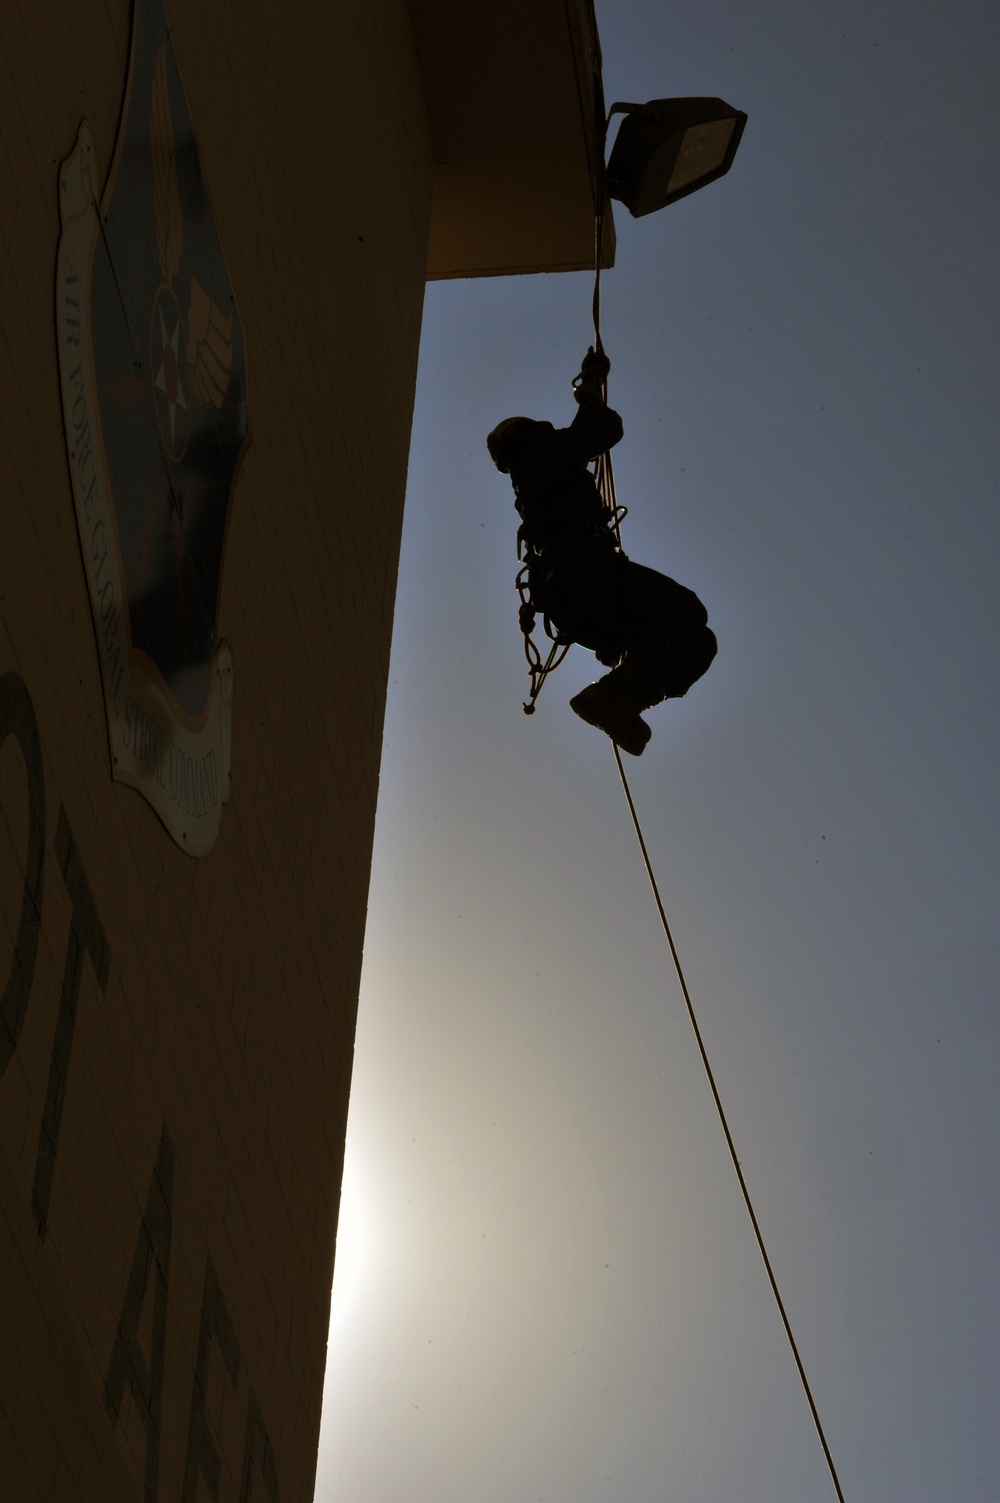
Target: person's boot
609, 706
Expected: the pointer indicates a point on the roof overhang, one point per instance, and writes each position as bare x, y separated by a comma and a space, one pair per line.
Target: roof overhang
516, 113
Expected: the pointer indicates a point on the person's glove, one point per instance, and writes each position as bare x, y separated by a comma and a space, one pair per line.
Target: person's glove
588, 385
595, 366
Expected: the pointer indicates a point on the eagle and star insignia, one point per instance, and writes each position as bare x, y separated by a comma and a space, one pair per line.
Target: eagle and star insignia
153, 375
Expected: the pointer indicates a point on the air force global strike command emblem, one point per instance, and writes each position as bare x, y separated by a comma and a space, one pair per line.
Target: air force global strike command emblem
153, 373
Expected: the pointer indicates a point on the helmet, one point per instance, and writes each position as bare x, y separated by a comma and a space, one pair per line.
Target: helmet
505, 440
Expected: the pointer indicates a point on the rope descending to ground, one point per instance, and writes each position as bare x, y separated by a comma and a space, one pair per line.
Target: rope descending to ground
725, 1127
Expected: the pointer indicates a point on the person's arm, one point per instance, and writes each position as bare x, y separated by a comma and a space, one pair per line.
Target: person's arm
547, 451
595, 429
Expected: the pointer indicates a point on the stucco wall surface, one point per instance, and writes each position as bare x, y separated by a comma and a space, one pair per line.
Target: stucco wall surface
176, 1033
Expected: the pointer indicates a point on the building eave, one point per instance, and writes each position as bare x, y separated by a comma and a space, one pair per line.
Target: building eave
515, 106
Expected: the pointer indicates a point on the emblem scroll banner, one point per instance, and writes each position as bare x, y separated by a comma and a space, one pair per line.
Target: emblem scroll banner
153, 378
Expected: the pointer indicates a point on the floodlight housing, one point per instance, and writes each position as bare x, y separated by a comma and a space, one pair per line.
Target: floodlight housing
671, 147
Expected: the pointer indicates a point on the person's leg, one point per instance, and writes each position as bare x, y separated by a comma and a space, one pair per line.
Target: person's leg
668, 647
609, 705
674, 678
670, 642
584, 593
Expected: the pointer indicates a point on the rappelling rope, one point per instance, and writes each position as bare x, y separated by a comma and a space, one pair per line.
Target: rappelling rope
605, 479
603, 472
725, 1127
538, 671
606, 484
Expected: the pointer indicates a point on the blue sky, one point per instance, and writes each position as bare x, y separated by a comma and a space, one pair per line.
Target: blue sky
547, 1283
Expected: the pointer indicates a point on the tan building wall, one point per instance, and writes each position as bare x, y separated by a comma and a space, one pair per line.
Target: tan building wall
176, 1032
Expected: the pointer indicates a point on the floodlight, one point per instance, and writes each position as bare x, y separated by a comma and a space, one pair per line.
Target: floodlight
671, 147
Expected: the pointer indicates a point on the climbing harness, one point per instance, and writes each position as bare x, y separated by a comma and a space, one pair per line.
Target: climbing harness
529, 609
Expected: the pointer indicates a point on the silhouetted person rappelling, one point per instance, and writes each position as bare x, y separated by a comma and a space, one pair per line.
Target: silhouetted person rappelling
651, 631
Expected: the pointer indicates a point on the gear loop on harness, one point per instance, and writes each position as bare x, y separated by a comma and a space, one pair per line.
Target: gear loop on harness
526, 617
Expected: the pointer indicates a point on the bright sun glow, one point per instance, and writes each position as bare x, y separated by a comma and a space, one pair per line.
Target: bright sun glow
353, 1233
